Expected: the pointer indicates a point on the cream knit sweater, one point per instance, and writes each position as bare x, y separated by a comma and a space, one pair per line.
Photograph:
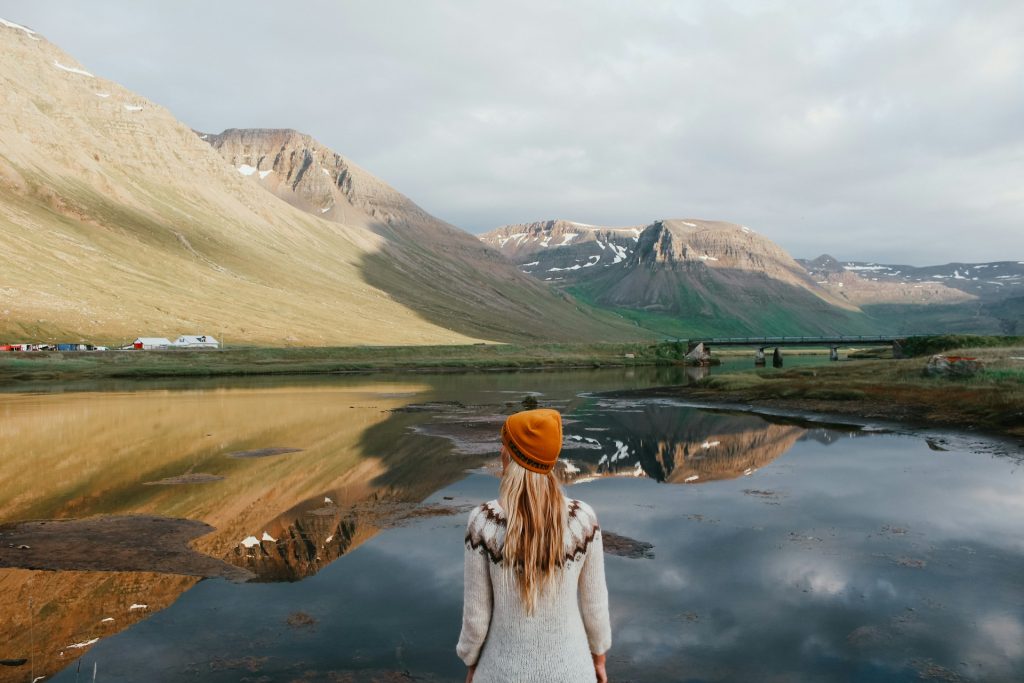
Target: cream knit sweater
570, 620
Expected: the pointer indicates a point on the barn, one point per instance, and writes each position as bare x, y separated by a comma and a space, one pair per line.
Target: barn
196, 341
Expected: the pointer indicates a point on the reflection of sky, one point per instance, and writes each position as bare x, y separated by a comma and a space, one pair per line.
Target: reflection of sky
874, 559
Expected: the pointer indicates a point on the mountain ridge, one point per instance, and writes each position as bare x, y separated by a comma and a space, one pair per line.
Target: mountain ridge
117, 221
680, 276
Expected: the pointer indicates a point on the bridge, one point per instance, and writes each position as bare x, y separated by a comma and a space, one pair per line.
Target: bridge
699, 350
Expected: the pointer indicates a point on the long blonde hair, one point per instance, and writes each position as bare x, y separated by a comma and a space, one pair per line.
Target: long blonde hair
535, 513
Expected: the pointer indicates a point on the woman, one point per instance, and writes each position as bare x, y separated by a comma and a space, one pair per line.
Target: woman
536, 603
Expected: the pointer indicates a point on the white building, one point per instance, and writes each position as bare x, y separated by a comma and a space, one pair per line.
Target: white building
196, 341
149, 343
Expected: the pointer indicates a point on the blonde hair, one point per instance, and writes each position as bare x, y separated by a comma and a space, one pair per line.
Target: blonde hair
535, 514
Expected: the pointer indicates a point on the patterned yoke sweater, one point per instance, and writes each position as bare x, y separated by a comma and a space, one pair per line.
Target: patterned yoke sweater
569, 622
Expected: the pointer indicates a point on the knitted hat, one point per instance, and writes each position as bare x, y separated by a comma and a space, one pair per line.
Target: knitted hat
534, 438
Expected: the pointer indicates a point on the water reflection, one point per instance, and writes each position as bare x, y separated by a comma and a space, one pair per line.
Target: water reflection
79, 455
672, 444
797, 553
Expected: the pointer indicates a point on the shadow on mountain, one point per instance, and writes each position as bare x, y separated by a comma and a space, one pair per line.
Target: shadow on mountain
463, 286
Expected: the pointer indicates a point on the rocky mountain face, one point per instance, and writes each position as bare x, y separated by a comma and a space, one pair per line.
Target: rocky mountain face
873, 283
557, 250
704, 272
117, 221
434, 268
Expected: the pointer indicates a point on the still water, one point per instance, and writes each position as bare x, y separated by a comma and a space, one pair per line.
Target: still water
783, 551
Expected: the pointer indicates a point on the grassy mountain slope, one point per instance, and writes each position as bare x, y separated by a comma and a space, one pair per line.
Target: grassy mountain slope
436, 269
118, 221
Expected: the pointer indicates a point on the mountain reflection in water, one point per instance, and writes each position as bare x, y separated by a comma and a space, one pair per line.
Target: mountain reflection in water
871, 558
79, 455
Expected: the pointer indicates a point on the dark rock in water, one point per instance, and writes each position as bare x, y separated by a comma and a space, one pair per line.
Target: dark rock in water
300, 620
432, 407
530, 402
624, 546
263, 452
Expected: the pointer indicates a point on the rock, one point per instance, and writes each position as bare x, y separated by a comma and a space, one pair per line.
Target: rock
953, 366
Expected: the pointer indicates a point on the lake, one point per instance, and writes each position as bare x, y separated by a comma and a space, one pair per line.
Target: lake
782, 550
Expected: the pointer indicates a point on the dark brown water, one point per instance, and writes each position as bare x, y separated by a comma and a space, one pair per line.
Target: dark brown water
782, 551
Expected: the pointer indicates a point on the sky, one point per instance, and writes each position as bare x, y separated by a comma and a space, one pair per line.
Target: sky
883, 131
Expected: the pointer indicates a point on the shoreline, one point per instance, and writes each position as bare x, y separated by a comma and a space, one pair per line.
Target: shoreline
56, 367
870, 414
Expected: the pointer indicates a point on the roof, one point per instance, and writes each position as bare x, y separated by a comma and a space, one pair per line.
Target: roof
153, 340
197, 339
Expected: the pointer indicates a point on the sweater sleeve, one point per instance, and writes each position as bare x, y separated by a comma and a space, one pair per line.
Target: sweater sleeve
594, 598
477, 602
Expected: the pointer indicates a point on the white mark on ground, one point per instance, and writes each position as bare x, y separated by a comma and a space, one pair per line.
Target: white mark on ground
72, 70
84, 643
10, 24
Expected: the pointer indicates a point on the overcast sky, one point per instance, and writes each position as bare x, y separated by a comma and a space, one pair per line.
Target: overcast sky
890, 131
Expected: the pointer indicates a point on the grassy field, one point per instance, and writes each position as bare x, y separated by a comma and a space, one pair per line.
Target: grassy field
894, 390
57, 366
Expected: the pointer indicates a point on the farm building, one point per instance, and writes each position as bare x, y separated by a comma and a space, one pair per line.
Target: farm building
149, 343
196, 341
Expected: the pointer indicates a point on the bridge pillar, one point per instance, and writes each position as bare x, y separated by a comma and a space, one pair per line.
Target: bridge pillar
777, 358
833, 353
759, 357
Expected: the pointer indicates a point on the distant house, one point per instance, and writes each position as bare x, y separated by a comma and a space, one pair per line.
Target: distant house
196, 341
148, 343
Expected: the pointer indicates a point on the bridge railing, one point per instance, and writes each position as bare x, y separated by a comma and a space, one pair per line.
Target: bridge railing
845, 339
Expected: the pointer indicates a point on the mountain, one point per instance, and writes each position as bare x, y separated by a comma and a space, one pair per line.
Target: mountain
978, 298
688, 277
117, 221
438, 270
874, 283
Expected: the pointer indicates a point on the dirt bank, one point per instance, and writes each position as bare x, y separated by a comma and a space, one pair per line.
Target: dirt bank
113, 543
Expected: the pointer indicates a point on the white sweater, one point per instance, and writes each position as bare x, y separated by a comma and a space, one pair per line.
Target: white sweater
569, 622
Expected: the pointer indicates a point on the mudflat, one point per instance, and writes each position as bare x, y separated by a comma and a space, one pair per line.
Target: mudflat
113, 543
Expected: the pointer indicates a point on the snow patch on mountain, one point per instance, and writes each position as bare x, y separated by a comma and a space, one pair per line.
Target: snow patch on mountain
18, 27
72, 70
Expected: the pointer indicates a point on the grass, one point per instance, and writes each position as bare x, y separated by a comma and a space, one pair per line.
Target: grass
770, 319
992, 400
57, 366
928, 345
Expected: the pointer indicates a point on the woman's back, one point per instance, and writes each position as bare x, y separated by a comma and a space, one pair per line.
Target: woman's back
569, 620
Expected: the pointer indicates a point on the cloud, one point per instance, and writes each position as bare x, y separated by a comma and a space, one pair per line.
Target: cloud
878, 130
